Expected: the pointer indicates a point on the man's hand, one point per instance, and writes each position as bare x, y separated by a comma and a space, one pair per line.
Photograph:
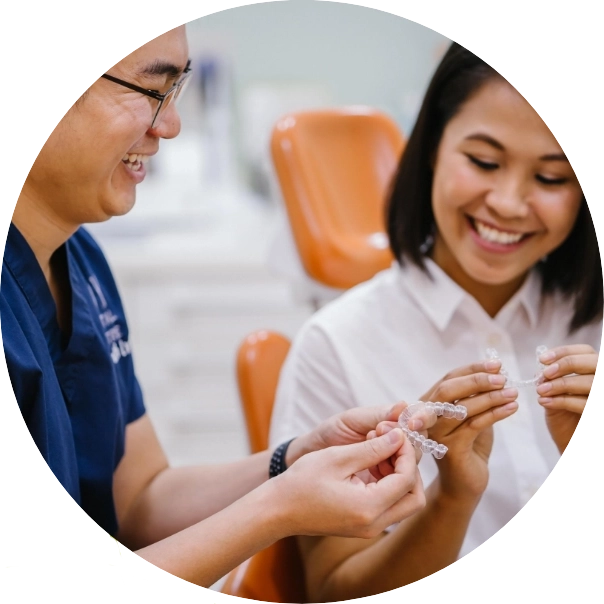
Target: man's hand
323, 494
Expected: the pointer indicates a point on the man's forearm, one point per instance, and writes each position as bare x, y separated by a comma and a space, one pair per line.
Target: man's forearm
208, 550
421, 545
178, 498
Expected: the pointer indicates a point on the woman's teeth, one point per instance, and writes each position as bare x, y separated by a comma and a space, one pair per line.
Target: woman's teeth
495, 236
135, 160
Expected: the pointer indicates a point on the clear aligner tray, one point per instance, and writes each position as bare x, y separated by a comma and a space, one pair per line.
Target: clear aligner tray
419, 441
493, 355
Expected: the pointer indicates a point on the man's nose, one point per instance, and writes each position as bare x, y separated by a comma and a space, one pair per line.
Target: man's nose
168, 123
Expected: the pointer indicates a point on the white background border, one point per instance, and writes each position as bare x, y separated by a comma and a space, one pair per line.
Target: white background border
51, 51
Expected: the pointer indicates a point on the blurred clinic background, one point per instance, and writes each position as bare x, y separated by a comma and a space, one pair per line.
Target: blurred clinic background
206, 256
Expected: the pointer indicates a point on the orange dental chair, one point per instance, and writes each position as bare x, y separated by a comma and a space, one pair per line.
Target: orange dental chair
275, 574
334, 169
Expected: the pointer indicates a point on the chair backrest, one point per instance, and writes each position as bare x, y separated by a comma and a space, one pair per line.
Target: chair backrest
334, 169
275, 574
259, 361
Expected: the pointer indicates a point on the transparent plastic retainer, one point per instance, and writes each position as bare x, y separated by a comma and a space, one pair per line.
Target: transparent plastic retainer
493, 355
419, 441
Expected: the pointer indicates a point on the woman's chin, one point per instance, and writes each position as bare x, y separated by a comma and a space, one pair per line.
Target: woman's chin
494, 277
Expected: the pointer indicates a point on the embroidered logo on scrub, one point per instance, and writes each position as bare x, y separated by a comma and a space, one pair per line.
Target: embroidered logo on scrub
119, 346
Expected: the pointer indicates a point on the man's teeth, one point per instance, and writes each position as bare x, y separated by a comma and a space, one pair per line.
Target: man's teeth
495, 236
135, 158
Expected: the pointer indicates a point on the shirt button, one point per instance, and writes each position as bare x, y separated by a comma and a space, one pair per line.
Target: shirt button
494, 340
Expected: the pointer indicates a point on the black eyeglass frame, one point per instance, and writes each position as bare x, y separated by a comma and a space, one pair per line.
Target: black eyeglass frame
154, 94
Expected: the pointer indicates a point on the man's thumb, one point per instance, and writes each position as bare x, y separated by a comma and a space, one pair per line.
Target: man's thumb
362, 456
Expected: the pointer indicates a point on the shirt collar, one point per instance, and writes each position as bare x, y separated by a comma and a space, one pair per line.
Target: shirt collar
433, 291
527, 297
440, 297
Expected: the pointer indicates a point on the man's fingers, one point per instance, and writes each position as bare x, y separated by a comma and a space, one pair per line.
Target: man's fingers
410, 503
364, 419
393, 487
394, 411
364, 455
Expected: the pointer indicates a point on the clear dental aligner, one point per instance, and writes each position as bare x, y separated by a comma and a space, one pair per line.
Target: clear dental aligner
419, 441
493, 355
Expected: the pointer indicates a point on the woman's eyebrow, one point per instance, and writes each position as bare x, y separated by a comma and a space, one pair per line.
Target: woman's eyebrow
554, 157
485, 138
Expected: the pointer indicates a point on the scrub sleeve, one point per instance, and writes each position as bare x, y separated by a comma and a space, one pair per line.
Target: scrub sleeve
76, 393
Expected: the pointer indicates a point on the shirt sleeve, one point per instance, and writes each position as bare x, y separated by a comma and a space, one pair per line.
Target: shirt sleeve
137, 405
312, 386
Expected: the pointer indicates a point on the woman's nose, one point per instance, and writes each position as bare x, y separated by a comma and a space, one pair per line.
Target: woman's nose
508, 198
168, 123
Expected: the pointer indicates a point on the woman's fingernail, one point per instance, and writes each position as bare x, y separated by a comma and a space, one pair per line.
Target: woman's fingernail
511, 406
544, 388
386, 428
551, 370
492, 365
509, 393
545, 400
497, 380
550, 355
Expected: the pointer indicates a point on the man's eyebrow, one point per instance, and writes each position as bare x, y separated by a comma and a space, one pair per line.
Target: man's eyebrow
160, 68
485, 138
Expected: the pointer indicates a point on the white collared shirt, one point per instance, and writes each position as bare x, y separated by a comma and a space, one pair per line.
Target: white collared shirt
393, 337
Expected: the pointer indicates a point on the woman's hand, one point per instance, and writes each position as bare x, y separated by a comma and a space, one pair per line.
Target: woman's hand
569, 374
323, 492
463, 471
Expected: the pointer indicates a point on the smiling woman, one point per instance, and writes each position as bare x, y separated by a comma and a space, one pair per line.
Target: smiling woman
495, 248
503, 195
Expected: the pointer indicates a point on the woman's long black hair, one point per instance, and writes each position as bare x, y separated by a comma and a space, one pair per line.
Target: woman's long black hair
574, 268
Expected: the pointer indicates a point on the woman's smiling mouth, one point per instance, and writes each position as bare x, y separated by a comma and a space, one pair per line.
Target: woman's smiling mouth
494, 239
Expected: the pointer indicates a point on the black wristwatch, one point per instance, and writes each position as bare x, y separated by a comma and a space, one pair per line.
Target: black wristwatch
277, 465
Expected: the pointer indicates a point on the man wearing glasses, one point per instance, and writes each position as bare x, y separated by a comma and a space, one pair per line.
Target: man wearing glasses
70, 362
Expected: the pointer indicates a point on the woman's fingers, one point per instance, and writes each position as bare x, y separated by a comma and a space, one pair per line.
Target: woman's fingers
484, 366
476, 405
568, 384
483, 402
462, 387
575, 363
574, 404
549, 356
487, 418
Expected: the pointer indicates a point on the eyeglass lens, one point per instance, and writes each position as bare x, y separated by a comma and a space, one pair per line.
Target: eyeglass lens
171, 96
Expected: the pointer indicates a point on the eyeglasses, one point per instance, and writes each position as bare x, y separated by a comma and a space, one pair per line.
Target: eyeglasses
163, 100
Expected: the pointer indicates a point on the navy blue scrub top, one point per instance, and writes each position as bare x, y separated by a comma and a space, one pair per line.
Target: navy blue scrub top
76, 396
